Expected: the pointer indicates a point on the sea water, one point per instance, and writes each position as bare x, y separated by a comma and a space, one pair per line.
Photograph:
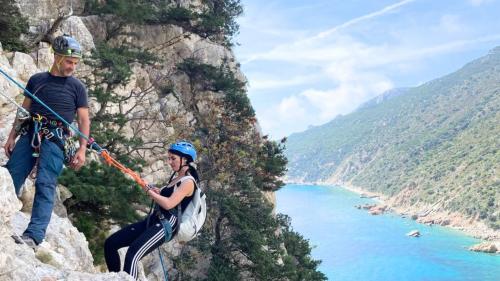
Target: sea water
355, 245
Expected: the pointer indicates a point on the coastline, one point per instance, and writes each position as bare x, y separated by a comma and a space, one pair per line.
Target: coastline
453, 220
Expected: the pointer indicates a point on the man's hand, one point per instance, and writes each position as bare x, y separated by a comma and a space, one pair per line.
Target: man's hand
9, 146
78, 160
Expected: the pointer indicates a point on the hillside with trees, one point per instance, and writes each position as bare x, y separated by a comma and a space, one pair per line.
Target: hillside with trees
435, 144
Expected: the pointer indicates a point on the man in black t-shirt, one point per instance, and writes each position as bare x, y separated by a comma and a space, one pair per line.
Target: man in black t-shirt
41, 142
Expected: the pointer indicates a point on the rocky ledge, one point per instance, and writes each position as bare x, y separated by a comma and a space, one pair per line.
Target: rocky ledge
64, 254
487, 247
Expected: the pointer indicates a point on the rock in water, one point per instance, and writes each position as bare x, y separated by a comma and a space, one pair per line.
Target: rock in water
413, 233
486, 247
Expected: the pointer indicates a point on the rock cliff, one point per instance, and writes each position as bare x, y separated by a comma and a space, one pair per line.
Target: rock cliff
173, 106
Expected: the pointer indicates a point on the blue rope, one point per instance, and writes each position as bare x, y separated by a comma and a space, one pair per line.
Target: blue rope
92, 144
163, 265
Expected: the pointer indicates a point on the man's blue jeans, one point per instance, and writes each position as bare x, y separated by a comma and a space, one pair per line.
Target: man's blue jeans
50, 166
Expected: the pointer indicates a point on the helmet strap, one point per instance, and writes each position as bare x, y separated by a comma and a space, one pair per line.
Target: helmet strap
182, 166
58, 65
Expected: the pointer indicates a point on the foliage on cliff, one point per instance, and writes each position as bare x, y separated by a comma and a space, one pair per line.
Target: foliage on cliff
12, 26
216, 19
245, 241
437, 143
241, 238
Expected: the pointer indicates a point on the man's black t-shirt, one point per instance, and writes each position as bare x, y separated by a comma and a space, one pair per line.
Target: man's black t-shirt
62, 94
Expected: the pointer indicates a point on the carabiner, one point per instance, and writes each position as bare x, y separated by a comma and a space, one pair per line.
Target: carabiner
37, 118
59, 132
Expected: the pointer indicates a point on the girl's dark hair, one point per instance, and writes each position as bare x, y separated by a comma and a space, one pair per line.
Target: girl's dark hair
180, 154
192, 170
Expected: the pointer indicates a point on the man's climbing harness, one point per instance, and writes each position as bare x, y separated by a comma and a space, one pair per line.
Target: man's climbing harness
41, 127
91, 143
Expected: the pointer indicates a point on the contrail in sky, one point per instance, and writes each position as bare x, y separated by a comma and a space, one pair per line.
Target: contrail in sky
359, 19
328, 32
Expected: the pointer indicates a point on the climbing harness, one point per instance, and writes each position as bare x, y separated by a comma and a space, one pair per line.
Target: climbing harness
42, 127
168, 234
92, 145
167, 229
166, 226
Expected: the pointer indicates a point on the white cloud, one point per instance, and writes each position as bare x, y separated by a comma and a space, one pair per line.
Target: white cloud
262, 83
279, 119
314, 107
290, 107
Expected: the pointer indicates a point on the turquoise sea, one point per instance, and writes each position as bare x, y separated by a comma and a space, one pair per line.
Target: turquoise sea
354, 245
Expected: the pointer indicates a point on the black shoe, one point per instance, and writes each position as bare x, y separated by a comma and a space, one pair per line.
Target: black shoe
25, 239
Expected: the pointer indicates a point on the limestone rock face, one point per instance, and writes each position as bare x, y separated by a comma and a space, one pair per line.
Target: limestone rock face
8, 200
64, 246
97, 27
3, 60
75, 27
24, 65
44, 57
271, 198
47, 10
7, 109
64, 254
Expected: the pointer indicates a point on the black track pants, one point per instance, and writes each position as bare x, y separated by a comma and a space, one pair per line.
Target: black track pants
141, 240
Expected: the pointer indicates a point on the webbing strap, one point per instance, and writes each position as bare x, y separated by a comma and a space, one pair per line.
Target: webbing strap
111, 161
168, 234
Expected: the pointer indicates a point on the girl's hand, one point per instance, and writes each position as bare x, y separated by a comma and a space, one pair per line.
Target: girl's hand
151, 188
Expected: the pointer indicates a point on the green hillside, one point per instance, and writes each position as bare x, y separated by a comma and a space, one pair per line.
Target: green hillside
438, 141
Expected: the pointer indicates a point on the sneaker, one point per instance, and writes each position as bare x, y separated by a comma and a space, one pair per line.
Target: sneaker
25, 239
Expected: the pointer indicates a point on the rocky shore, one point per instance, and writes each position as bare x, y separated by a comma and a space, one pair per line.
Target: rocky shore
426, 214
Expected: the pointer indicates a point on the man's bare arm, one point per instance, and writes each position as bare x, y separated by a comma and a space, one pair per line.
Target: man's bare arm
84, 127
11, 140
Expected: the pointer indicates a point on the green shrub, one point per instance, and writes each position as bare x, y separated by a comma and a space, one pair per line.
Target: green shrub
12, 25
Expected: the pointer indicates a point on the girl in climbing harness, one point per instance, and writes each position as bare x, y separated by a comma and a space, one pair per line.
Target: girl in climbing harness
163, 221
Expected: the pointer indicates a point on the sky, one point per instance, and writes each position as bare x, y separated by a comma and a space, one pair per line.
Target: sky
309, 61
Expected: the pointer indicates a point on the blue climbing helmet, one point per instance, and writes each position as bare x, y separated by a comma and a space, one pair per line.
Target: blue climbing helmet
183, 148
67, 46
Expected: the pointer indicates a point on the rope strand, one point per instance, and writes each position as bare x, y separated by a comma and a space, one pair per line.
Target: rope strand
92, 144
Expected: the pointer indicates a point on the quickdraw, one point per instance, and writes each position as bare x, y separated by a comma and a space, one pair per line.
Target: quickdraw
70, 149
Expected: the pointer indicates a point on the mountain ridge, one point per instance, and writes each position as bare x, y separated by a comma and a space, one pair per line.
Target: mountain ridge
436, 141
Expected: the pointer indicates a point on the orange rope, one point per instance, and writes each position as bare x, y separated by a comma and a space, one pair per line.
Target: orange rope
119, 166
